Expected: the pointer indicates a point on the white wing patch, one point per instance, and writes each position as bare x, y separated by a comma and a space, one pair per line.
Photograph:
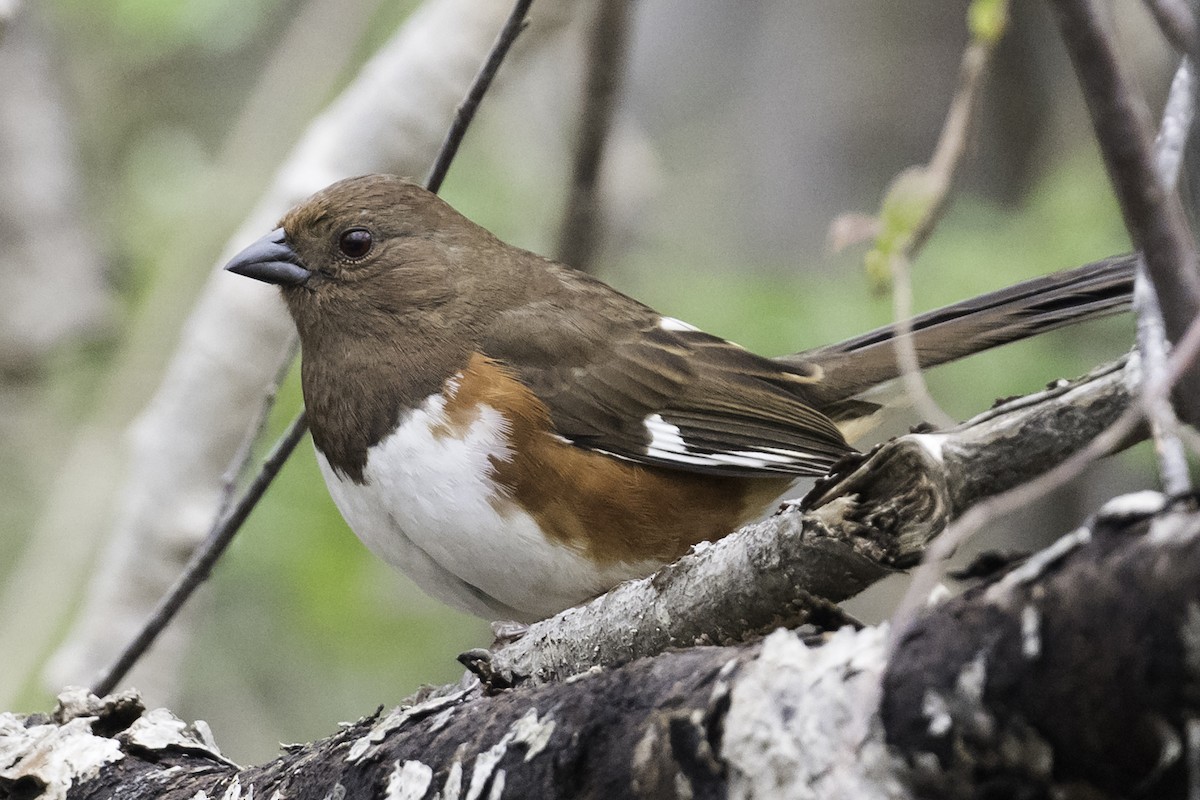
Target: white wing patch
672, 324
667, 443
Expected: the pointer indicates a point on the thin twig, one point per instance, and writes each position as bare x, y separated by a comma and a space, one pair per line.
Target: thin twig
583, 217
930, 186
1164, 425
470, 104
227, 526
200, 565
239, 465
1169, 148
1153, 216
907, 360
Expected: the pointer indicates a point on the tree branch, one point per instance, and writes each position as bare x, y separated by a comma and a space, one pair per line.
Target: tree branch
1005, 691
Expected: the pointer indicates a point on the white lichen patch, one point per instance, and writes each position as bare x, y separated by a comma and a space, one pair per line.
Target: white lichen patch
408, 781
935, 709
234, 792
590, 672
529, 731
1031, 631
159, 729
1036, 566
938, 595
366, 744
1134, 505
1173, 529
532, 733
802, 722
722, 685
972, 678
497, 790
485, 767
932, 443
57, 756
452, 790
440, 720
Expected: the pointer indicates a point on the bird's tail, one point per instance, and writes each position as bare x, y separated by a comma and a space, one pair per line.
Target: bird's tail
1018, 312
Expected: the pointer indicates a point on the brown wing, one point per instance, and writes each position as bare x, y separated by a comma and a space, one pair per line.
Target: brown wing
626, 383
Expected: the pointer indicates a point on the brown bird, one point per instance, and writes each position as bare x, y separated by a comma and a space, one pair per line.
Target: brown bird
519, 437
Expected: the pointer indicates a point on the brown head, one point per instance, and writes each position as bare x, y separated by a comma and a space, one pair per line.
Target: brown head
380, 250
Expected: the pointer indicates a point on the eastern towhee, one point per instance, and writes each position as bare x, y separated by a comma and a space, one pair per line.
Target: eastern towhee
518, 437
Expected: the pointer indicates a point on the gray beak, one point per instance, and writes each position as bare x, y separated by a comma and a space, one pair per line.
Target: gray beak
271, 260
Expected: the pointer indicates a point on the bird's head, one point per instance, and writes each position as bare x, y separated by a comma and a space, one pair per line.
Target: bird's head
369, 247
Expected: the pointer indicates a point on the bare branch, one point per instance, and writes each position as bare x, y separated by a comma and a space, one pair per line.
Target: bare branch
1151, 333
1006, 690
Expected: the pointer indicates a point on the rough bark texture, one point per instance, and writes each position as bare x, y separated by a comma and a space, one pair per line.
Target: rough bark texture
1072, 675
1077, 669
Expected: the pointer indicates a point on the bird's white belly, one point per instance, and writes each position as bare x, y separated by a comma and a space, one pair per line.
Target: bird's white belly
430, 508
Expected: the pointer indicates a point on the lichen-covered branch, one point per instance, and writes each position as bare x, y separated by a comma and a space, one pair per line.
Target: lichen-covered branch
1070, 675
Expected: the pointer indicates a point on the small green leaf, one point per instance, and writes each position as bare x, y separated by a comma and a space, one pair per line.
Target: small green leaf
987, 20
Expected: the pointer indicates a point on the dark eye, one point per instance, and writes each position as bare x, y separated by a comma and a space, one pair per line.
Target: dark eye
355, 243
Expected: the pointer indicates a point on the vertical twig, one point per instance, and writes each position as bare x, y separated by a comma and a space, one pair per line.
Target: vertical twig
1173, 133
583, 218
227, 526
917, 198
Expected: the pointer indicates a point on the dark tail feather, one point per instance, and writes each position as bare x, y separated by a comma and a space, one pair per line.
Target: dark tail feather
972, 326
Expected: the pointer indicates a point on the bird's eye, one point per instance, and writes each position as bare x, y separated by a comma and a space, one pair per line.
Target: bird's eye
355, 243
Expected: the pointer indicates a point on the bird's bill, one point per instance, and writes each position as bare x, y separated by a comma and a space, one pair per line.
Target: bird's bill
271, 260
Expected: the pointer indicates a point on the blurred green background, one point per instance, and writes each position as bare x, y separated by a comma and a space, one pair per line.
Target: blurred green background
763, 121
